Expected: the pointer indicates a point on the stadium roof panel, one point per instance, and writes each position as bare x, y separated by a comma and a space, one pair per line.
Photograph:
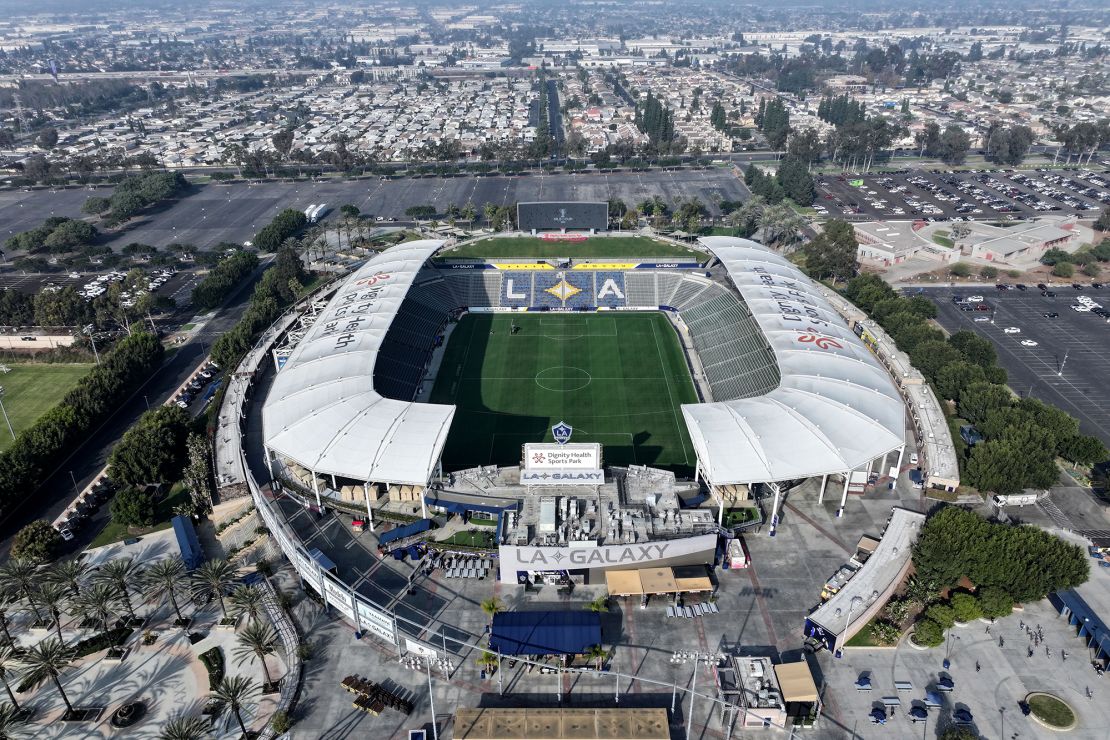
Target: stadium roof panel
323, 412
835, 407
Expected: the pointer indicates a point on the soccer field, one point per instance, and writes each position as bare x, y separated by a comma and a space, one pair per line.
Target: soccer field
30, 390
617, 378
599, 247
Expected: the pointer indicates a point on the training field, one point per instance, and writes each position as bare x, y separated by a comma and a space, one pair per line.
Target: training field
30, 390
593, 247
617, 378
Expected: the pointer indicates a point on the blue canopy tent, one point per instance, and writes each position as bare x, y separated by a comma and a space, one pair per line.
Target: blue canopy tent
545, 633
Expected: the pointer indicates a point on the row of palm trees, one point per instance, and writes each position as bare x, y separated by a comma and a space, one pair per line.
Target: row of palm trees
110, 590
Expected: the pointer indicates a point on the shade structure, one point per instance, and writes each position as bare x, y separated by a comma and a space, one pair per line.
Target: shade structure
835, 407
796, 682
323, 411
545, 633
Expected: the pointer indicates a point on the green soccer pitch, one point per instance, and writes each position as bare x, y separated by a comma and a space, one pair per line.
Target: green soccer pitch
618, 378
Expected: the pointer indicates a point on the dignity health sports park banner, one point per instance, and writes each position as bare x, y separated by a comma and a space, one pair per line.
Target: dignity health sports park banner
686, 551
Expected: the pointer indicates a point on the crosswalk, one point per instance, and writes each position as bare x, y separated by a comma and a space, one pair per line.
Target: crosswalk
1058, 517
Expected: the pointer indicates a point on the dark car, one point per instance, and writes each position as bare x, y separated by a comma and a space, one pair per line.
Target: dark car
1096, 286
1021, 286
1042, 286
982, 307
1052, 315
1077, 286
1049, 293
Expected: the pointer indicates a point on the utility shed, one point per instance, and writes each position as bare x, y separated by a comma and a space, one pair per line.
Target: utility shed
545, 633
561, 724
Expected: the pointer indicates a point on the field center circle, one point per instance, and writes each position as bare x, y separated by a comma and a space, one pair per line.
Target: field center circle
563, 378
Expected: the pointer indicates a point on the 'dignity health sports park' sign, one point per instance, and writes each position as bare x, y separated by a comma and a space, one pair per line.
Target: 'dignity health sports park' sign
562, 465
569, 216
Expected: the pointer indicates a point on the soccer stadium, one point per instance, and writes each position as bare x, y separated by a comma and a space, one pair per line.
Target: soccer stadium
601, 414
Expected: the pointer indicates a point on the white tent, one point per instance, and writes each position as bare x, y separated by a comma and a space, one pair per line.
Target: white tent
835, 408
323, 412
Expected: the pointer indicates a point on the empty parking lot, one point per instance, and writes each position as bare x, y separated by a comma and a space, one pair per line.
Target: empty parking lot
234, 213
1070, 363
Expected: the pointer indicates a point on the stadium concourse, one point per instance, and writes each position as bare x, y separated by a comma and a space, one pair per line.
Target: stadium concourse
783, 391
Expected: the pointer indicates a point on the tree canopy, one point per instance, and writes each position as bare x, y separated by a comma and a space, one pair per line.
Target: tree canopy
1025, 562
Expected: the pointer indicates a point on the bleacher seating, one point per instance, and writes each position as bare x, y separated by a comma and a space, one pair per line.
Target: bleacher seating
735, 357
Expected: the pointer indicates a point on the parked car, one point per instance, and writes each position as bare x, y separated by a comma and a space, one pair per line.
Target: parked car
1028, 343
1011, 330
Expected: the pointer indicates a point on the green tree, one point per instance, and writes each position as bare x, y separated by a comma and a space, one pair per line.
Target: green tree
492, 606
133, 507
256, 640
979, 399
943, 615
47, 138
214, 578
46, 661
234, 692
20, 577
70, 573
198, 474
98, 601
186, 728
153, 450
96, 205
125, 576
832, 253
928, 633
247, 600
10, 667
965, 607
163, 579
38, 542
1063, 269
995, 602
1081, 449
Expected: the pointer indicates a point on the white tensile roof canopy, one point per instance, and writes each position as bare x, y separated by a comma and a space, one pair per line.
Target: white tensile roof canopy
323, 412
835, 407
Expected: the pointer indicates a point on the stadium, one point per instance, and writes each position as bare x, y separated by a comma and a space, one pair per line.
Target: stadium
604, 414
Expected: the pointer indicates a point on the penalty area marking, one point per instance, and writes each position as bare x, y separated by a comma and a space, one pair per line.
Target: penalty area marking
569, 377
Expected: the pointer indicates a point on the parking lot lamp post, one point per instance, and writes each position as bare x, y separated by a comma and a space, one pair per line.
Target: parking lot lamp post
500, 685
1062, 363
6, 419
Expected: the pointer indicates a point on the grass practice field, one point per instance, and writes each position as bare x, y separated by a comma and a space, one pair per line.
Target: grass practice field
594, 247
617, 378
31, 389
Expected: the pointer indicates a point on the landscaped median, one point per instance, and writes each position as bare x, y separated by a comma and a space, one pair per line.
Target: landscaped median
1051, 712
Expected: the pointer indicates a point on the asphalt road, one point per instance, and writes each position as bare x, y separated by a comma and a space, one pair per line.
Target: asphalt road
1081, 388
235, 212
836, 194
55, 494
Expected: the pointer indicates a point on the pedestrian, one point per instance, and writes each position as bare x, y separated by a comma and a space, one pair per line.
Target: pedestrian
1021, 625
1064, 656
977, 666
988, 629
1001, 642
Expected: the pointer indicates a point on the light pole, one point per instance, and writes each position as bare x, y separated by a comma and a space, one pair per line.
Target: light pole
1062, 363
698, 658
431, 698
6, 419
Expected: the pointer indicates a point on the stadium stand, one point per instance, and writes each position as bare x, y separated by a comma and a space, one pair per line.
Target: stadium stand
640, 290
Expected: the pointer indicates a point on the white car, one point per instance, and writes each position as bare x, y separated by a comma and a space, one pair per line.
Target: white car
1011, 330
1028, 343
975, 299
1080, 308
913, 458
979, 319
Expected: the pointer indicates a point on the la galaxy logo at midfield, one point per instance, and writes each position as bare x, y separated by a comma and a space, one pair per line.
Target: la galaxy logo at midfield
561, 432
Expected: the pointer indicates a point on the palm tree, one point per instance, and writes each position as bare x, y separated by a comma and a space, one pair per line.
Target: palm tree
247, 600
70, 573
11, 723
597, 654
10, 664
185, 728
6, 599
99, 600
491, 606
47, 660
214, 578
123, 574
21, 576
162, 580
487, 661
257, 640
53, 597
234, 691
600, 604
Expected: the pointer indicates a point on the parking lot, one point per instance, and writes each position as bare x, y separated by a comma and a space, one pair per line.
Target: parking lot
234, 213
971, 194
1070, 361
